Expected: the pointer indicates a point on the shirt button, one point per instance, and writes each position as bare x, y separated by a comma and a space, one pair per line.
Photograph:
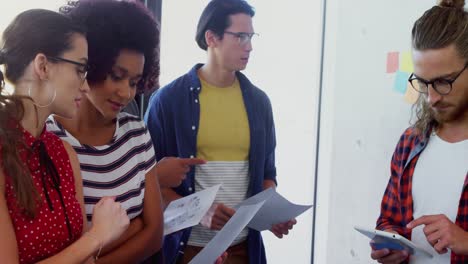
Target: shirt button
193, 127
191, 156
190, 189
191, 88
181, 243
196, 101
198, 88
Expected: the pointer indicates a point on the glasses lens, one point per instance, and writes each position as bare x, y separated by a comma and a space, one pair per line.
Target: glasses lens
419, 85
442, 86
82, 74
244, 39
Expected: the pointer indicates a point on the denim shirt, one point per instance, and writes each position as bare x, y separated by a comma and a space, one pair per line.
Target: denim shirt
173, 117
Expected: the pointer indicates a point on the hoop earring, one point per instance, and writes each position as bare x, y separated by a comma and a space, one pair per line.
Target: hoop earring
42, 106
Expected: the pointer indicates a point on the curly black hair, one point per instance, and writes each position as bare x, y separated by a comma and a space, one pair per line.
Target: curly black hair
115, 25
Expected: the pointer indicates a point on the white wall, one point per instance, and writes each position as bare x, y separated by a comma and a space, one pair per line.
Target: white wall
11, 8
285, 63
362, 119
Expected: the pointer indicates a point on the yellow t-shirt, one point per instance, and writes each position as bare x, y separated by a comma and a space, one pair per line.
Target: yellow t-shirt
223, 133
224, 141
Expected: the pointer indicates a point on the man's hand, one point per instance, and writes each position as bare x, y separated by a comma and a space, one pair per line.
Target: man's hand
388, 256
222, 258
283, 228
442, 234
171, 171
217, 216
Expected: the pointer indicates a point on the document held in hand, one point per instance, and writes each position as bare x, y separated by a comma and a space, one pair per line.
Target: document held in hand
259, 212
225, 236
275, 210
188, 211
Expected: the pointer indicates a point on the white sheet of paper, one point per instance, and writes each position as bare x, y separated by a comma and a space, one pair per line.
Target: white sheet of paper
225, 236
275, 210
259, 197
188, 211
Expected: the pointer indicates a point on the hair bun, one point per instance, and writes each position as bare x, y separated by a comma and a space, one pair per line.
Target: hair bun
2, 57
451, 3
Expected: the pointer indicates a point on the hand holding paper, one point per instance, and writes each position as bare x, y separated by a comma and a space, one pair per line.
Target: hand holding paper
188, 211
217, 216
283, 228
222, 258
224, 238
263, 211
276, 210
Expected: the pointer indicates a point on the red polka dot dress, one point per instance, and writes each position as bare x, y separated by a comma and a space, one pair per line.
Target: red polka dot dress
58, 221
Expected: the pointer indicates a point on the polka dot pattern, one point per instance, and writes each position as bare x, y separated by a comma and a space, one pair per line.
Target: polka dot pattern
47, 233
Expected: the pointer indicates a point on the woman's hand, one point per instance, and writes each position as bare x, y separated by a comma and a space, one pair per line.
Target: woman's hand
109, 220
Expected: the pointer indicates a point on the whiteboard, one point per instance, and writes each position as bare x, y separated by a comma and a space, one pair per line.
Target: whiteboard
363, 115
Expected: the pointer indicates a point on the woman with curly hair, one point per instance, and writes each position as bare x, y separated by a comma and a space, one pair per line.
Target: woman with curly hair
41, 197
114, 149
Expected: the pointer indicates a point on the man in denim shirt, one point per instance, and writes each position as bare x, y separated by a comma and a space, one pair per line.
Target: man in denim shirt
215, 113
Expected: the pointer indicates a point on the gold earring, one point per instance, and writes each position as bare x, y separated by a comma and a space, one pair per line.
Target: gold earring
42, 106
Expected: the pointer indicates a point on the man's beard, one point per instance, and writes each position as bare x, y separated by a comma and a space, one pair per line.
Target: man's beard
452, 114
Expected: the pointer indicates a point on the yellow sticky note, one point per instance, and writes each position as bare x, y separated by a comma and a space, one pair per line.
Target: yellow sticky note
406, 62
411, 95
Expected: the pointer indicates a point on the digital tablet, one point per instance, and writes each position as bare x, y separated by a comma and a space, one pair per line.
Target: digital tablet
382, 239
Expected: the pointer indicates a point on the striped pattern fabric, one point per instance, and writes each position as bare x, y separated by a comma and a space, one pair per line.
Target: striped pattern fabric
234, 177
117, 168
397, 203
173, 119
223, 140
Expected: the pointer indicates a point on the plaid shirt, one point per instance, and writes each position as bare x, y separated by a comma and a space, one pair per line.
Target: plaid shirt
397, 203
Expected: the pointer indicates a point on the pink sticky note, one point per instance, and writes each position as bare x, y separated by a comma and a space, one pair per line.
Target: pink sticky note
392, 62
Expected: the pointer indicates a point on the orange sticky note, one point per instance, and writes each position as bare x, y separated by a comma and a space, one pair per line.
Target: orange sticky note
411, 95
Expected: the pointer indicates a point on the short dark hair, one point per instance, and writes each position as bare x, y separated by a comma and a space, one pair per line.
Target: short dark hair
215, 17
113, 26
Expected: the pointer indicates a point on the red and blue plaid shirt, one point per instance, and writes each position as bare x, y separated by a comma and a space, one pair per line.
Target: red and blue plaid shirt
397, 203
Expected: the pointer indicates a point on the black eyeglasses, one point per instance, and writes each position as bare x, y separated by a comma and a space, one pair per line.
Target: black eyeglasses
243, 37
441, 86
82, 72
